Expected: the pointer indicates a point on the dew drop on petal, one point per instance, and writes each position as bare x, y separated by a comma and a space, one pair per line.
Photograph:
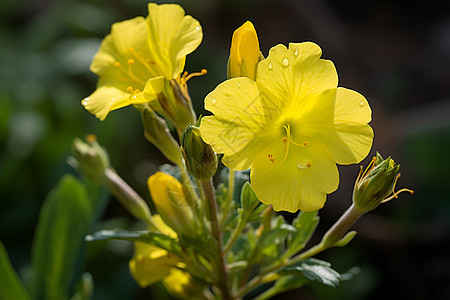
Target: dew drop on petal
213, 101
270, 66
361, 103
197, 28
296, 52
303, 165
239, 85
285, 62
85, 101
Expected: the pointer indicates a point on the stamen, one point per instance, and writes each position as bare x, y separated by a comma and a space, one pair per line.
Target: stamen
129, 72
287, 140
187, 77
396, 193
145, 61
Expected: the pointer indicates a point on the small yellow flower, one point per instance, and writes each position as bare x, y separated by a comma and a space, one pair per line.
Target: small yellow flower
150, 264
244, 52
139, 56
290, 126
172, 203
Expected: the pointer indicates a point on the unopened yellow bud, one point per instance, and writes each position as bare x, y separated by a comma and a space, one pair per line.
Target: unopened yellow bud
244, 52
172, 202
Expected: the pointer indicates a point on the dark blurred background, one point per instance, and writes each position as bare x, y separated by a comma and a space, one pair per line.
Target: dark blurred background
395, 53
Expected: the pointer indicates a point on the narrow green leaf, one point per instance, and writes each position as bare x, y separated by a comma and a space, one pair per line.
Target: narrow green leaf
157, 239
10, 285
58, 245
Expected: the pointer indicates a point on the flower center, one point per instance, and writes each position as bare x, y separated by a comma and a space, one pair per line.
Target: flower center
287, 140
130, 70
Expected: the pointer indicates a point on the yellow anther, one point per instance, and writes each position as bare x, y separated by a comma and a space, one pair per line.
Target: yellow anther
187, 77
131, 50
117, 64
90, 138
130, 89
130, 61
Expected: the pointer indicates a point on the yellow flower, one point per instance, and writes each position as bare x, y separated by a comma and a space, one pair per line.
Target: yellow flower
244, 52
172, 203
290, 127
150, 264
139, 56
181, 285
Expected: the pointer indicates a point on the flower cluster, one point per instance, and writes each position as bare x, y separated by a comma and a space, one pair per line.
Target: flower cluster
282, 116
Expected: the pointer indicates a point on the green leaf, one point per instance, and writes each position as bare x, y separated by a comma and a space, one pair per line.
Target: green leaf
157, 239
284, 284
315, 269
305, 224
10, 285
58, 245
248, 199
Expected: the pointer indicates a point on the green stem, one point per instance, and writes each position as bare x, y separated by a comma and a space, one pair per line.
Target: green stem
329, 240
127, 196
223, 283
230, 193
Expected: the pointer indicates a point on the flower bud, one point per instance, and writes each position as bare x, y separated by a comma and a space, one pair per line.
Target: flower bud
199, 157
173, 203
376, 184
91, 158
157, 133
244, 53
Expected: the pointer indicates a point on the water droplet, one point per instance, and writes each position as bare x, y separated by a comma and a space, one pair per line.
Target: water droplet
239, 85
270, 66
361, 103
285, 62
197, 28
303, 165
85, 101
134, 97
296, 52
213, 101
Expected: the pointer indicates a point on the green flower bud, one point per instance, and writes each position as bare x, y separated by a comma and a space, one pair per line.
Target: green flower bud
91, 158
199, 157
157, 133
376, 184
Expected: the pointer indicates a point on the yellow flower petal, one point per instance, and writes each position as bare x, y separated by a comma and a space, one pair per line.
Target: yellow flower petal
153, 87
171, 36
107, 98
150, 264
351, 139
238, 125
171, 203
115, 49
289, 74
300, 180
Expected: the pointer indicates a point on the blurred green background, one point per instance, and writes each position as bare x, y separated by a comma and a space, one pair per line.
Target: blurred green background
397, 54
